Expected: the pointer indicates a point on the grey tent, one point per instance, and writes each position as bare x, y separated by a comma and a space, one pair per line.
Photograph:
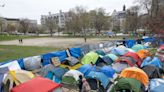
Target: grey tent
3, 71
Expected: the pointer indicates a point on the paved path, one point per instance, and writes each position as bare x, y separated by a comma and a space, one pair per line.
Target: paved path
54, 42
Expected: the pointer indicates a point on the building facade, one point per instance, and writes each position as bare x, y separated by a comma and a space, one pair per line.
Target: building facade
118, 20
60, 18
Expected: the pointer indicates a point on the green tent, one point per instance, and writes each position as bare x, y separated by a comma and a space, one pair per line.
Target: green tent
112, 56
90, 57
100, 52
127, 84
138, 47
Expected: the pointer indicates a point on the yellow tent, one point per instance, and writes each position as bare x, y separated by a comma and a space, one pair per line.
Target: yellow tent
16, 77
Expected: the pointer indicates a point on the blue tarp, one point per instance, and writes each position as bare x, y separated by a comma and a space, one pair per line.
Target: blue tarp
62, 55
99, 76
108, 71
149, 39
156, 85
75, 52
130, 43
149, 61
86, 69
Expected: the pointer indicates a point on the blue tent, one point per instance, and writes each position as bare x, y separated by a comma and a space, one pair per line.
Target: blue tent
156, 85
119, 51
86, 69
108, 60
108, 71
100, 77
2, 72
100, 52
130, 43
154, 62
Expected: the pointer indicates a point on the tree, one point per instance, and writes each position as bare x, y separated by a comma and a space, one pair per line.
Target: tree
11, 28
132, 18
98, 19
51, 24
1, 24
79, 21
155, 17
24, 26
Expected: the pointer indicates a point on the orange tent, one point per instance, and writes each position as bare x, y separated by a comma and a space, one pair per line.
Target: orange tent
134, 72
143, 53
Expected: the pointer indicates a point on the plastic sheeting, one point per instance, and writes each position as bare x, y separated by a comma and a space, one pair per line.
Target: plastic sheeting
62, 55
2, 72
13, 65
32, 63
73, 73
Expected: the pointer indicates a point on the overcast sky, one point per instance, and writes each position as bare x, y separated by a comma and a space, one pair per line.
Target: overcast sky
33, 9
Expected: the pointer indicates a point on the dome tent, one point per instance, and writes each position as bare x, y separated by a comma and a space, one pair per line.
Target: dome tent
38, 84
136, 73
71, 77
90, 57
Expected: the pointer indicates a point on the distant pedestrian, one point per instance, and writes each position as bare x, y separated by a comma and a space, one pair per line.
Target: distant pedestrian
21, 40
85, 87
124, 42
85, 39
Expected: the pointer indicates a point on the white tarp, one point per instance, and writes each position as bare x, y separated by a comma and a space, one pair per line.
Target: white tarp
12, 65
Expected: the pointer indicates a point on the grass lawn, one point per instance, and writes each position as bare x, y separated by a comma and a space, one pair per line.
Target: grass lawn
15, 52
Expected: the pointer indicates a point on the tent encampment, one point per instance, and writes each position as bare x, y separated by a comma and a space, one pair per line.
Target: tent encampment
108, 71
156, 85
138, 47
119, 66
71, 77
112, 56
135, 57
32, 63
38, 84
86, 69
134, 72
90, 57
152, 61
143, 54
152, 71
100, 77
15, 78
126, 85
3, 71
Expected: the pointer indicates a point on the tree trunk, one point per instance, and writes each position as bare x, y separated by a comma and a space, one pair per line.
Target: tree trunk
51, 32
